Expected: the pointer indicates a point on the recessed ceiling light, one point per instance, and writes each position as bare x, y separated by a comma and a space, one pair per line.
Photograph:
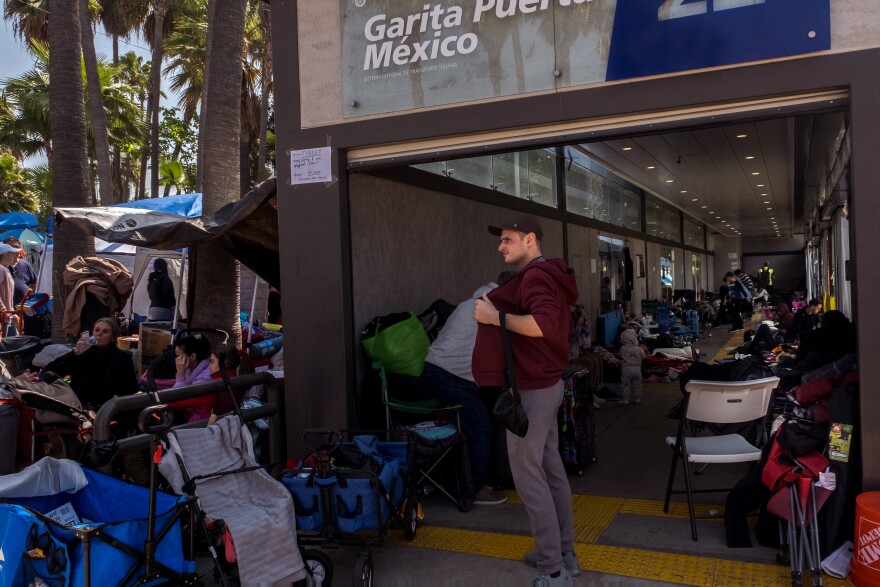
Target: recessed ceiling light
651, 167
669, 181
704, 207
767, 202
741, 136
755, 173
695, 199
763, 194
749, 157
770, 208
684, 191
760, 185
627, 148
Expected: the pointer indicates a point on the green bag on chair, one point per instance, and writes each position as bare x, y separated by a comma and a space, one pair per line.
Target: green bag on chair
397, 340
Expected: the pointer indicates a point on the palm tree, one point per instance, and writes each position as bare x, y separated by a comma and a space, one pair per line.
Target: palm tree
96, 107
213, 265
29, 19
120, 18
39, 180
24, 124
14, 186
70, 165
266, 86
155, 29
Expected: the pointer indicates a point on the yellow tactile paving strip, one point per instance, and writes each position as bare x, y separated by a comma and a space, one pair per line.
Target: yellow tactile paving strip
736, 340
600, 511
613, 560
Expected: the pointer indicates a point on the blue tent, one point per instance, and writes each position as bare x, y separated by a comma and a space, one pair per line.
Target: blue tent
12, 220
188, 205
25, 236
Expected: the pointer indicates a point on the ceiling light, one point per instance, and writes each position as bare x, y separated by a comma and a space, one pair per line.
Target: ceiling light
767, 202
627, 148
741, 136
695, 199
704, 207
669, 181
760, 185
755, 173
749, 157
763, 194
684, 191
770, 208
651, 167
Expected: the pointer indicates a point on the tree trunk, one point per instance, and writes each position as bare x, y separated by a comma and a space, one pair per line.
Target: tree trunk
159, 9
70, 163
116, 160
266, 83
202, 108
215, 306
96, 107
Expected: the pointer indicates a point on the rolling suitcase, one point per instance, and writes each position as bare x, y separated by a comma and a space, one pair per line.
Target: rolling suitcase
577, 423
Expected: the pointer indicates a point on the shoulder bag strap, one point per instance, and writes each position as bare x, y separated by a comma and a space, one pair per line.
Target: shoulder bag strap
509, 365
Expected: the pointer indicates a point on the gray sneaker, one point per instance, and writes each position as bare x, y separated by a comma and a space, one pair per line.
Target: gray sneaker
564, 578
486, 496
569, 561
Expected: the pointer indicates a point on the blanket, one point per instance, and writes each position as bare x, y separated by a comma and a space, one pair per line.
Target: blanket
106, 279
257, 509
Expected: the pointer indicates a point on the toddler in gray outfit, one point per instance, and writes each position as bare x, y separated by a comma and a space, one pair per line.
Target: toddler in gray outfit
631, 355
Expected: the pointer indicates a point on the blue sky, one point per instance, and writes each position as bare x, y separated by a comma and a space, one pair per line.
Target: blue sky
16, 59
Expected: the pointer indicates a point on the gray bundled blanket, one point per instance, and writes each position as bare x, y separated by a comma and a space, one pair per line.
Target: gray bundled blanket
257, 509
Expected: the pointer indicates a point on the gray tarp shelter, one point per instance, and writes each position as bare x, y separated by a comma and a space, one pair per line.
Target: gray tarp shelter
248, 229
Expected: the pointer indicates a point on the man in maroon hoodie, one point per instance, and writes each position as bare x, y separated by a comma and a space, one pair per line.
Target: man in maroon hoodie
537, 301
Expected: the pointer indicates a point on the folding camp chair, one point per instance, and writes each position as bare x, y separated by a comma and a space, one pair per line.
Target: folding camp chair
719, 402
435, 441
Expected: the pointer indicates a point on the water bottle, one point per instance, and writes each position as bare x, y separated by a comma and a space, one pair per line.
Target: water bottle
92, 340
9, 329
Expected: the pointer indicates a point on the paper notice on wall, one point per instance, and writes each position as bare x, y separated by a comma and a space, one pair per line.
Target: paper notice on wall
592, 265
311, 166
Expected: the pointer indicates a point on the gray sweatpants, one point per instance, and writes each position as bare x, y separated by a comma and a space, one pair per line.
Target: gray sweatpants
540, 478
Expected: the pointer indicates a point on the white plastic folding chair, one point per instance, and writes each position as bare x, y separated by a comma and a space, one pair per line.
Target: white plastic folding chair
716, 402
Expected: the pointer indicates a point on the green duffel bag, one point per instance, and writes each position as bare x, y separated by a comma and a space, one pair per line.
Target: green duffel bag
397, 340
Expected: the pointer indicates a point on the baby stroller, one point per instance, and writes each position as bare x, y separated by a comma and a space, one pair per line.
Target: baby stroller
238, 502
349, 489
66, 525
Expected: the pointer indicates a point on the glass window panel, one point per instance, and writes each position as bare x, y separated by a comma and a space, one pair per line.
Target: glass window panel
437, 167
474, 170
542, 177
612, 281
592, 195
693, 233
667, 273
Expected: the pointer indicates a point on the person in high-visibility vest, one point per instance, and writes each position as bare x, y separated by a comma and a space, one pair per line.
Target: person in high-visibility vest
767, 276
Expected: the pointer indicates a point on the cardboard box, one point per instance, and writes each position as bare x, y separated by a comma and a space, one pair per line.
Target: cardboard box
126, 343
154, 338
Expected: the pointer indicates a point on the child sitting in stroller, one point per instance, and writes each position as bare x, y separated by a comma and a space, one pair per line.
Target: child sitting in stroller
196, 364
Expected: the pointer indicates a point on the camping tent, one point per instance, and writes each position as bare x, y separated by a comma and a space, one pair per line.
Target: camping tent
146, 245
25, 236
12, 220
248, 228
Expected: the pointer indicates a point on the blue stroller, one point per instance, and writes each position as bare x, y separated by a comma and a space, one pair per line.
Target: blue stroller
67, 525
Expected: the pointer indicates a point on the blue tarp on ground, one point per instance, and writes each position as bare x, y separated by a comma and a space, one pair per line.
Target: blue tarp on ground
12, 220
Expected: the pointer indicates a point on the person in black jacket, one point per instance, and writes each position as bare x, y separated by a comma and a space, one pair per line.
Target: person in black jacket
98, 371
161, 291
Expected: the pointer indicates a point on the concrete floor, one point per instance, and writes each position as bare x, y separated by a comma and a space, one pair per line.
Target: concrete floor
485, 545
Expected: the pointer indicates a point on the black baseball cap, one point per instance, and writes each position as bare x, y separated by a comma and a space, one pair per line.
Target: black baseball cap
521, 222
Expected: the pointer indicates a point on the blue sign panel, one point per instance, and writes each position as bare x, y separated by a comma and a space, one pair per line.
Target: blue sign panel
665, 36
